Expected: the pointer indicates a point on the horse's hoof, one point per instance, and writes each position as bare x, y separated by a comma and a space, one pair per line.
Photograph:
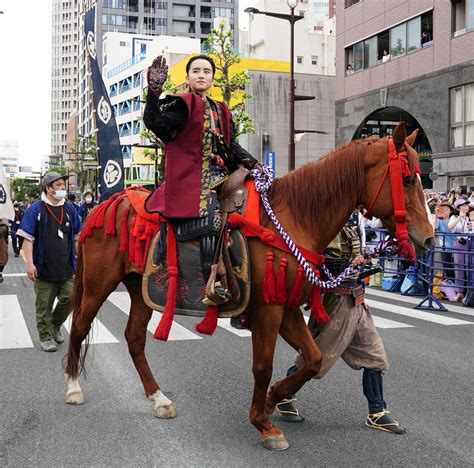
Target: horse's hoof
76, 398
275, 442
165, 412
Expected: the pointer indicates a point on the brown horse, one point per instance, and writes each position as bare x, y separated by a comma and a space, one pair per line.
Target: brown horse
312, 203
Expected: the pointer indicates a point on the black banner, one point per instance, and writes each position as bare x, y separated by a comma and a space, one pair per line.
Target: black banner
111, 176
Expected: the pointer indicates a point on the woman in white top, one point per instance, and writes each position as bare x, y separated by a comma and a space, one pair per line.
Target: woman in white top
461, 224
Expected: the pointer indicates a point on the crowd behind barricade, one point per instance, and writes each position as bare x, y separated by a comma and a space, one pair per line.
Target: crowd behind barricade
446, 272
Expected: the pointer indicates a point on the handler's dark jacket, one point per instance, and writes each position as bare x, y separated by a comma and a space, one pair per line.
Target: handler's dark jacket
182, 123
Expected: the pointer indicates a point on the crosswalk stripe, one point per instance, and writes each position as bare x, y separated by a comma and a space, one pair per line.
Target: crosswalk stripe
178, 332
416, 300
13, 330
100, 334
381, 322
415, 313
225, 324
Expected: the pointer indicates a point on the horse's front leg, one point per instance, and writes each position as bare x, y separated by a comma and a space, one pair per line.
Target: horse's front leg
297, 334
135, 334
265, 322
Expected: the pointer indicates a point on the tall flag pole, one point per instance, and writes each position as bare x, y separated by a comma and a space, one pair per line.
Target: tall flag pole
111, 174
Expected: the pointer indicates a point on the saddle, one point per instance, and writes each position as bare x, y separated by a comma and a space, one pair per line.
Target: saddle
213, 265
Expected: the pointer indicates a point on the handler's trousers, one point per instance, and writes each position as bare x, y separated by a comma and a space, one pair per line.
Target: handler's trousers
47, 319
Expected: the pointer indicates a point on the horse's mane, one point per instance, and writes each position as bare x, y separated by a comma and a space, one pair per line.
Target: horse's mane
314, 190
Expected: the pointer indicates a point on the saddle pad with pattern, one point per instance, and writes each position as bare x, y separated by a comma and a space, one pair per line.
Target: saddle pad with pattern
191, 283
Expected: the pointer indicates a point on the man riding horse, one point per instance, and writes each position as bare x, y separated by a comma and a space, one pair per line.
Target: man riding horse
201, 153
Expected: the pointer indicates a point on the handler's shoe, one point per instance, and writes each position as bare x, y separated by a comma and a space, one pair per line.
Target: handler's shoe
58, 336
384, 422
288, 411
49, 346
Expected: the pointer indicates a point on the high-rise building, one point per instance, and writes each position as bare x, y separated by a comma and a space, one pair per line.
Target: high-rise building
319, 12
63, 70
146, 17
9, 157
410, 61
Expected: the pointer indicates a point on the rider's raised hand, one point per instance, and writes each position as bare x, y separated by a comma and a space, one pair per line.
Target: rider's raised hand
157, 74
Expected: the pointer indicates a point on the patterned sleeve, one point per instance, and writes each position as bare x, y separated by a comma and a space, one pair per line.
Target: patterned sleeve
165, 117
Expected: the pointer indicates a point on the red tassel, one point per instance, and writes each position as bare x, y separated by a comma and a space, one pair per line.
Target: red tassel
164, 327
131, 244
269, 286
124, 231
138, 246
281, 282
110, 228
405, 250
149, 237
208, 324
317, 309
294, 299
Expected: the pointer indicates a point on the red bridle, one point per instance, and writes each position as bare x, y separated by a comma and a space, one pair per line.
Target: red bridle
398, 168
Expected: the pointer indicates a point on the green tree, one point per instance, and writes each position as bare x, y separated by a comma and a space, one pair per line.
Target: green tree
25, 189
219, 46
85, 151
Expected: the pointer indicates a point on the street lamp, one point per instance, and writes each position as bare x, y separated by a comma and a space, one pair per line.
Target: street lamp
292, 18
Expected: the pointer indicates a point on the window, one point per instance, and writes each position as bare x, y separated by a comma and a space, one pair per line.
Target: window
358, 56
398, 40
301, 13
462, 116
162, 21
414, 34
370, 52
299, 60
462, 16
349, 3
314, 59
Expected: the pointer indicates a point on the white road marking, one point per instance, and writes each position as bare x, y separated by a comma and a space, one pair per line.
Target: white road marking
13, 330
225, 324
381, 322
100, 334
416, 314
178, 332
416, 300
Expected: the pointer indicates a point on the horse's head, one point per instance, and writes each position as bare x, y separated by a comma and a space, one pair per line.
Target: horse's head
382, 194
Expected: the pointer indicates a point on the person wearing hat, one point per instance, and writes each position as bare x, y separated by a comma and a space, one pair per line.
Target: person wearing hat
460, 224
50, 227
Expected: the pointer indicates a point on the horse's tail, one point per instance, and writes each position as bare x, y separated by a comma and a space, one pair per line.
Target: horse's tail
73, 363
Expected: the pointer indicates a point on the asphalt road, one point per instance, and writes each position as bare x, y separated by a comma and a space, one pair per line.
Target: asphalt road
428, 388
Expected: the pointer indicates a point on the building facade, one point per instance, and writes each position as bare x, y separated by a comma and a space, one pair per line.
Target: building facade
410, 61
269, 38
64, 49
269, 107
9, 157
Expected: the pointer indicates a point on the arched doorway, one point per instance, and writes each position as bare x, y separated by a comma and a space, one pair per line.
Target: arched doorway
382, 123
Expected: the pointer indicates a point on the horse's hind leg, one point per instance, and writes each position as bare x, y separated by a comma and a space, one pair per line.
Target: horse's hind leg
265, 325
296, 333
135, 333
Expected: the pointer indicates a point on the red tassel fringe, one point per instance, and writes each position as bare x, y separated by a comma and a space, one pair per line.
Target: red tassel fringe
269, 285
164, 327
110, 228
294, 299
317, 309
138, 246
124, 231
208, 324
281, 296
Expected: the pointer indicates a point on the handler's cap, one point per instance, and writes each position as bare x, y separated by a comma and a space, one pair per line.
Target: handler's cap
460, 202
51, 177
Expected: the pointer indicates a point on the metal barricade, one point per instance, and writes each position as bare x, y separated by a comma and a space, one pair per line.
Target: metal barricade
446, 269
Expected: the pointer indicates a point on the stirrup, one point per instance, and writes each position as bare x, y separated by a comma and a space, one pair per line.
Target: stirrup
288, 411
384, 422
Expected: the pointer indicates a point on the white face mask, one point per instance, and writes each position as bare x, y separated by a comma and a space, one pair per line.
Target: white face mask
60, 194
88, 200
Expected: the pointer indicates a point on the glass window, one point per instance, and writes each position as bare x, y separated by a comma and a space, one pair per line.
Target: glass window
469, 113
427, 29
469, 14
349, 3
359, 56
370, 52
398, 40
314, 59
414, 34
456, 105
299, 60
458, 16
462, 116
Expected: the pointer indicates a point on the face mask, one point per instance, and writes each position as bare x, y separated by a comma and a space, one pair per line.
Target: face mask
60, 194
88, 200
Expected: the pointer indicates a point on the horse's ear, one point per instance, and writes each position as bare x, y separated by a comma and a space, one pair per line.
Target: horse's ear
412, 137
399, 136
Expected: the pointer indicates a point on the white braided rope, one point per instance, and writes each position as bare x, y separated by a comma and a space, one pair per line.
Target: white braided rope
263, 176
